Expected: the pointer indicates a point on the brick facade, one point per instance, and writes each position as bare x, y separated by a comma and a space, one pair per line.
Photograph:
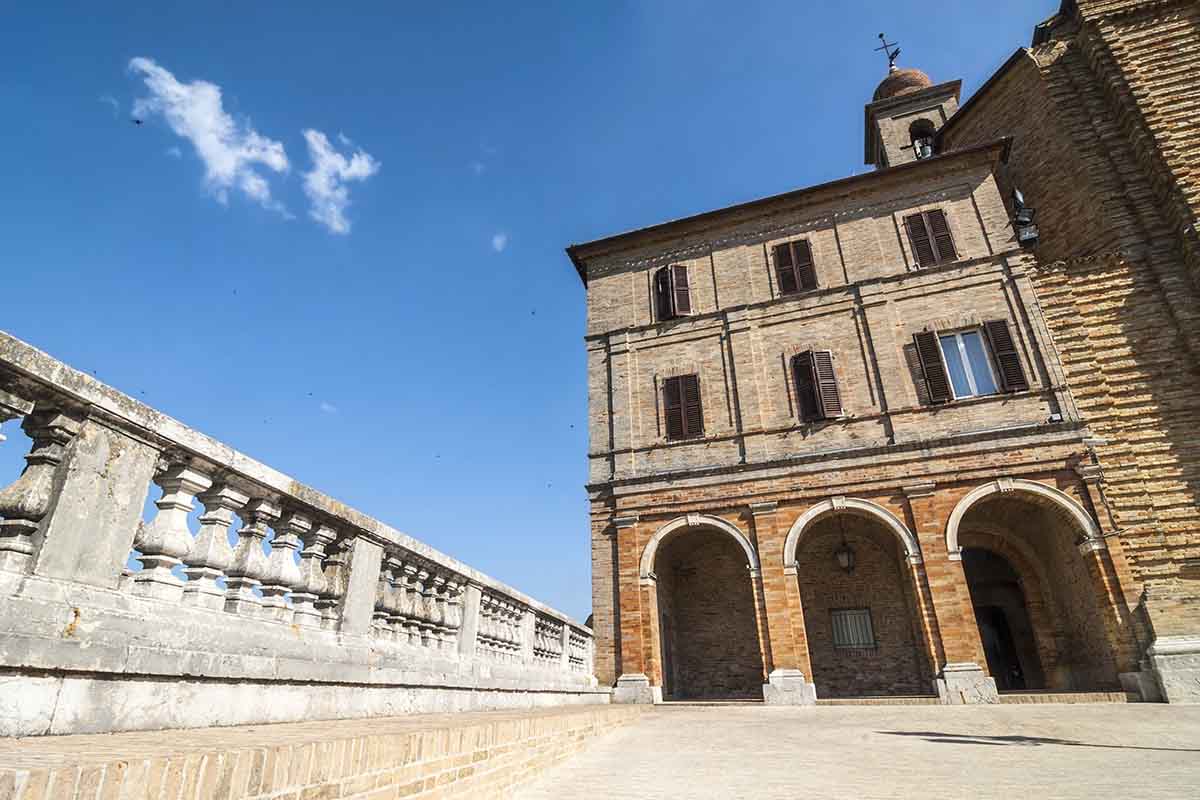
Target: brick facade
1018, 477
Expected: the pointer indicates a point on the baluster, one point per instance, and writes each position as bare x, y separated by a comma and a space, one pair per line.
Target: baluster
27, 499
411, 605
210, 554
383, 588
395, 619
437, 612
335, 583
306, 612
453, 614
249, 561
165, 541
282, 575
425, 612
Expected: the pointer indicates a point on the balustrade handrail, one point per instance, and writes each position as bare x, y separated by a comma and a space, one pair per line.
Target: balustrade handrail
28, 374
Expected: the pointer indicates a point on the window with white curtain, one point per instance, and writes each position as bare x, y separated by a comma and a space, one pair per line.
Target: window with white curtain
852, 627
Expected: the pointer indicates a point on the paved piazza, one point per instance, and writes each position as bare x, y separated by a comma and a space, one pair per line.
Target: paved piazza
1016, 752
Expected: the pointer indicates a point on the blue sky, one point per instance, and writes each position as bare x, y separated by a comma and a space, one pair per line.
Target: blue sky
412, 347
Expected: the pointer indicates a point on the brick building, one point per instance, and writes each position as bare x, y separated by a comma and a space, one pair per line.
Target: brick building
862, 439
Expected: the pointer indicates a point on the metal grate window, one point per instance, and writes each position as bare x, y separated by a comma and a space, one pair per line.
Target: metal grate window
852, 627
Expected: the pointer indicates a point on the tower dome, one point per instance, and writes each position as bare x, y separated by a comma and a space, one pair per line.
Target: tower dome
901, 81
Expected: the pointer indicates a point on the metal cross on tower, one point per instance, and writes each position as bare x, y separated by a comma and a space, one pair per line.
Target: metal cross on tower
888, 51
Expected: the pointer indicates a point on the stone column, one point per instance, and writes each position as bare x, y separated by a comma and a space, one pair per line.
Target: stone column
330, 601
27, 500
283, 576
453, 615
395, 607
528, 634
249, 561
210, 554
358, 604
633, 685
787, 683
470, 620
564, 659
312, 577
165, 541
940, 586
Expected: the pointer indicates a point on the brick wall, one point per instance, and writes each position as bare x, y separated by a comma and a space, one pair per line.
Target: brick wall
709, 639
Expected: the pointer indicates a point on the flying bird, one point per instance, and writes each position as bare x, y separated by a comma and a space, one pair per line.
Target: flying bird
136, 121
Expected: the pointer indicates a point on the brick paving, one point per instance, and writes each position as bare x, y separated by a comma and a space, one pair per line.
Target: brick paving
1011, 752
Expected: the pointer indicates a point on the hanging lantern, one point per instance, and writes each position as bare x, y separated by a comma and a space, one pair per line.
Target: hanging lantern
845, 553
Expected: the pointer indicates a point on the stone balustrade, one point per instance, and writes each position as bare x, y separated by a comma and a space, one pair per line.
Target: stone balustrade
314, 611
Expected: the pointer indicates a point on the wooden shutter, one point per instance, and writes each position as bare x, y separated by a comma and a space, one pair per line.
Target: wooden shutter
680, 294
785, 270
808, 404
940, 230
673, 406
662, 294
1008, 361
918, 237
930, 353
806, 274
827, 388
693, 415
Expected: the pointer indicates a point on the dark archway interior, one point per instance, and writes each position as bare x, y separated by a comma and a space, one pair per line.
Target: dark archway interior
707, 625
1037, 541
1003, 618
877, 594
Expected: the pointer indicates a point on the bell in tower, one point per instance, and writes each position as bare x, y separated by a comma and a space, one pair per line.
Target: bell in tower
905, 114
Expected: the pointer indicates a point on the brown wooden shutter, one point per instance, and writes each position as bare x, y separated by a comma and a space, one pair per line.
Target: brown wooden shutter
1008, 361
807, 401
680, 293
918, 237
693, 415
662, 294
806, 274
673, 407
940, 231
827, 388
930, 353
785, 270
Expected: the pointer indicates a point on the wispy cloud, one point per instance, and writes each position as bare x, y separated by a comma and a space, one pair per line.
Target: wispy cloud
499, 242
325, 183
231, 151
174, 152
477, 167
111, 102
328, 408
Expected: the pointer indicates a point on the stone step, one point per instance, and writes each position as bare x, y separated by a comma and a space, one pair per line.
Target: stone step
898, 700
474, 754
1025, 698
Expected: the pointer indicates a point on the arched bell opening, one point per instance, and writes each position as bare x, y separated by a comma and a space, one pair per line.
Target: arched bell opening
707, 628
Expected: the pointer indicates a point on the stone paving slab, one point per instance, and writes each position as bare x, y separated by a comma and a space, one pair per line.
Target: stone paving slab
1019, 752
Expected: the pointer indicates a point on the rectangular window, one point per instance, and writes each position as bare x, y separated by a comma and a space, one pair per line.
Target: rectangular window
852, 627
967, 364
929, 235
817, 395
672, 295
681, 405
794, 269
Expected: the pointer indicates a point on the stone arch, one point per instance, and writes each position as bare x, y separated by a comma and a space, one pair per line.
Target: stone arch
853, 505
694, 521
1043, 494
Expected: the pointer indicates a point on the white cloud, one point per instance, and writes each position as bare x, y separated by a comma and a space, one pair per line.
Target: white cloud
325, 183
231, 151
111, 102
499, 242
328, 408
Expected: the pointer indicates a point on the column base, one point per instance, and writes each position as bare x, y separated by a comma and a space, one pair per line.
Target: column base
635, 687
1175, 663
964, 683
787, 687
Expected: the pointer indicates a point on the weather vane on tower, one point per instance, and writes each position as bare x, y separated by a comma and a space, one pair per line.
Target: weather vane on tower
889, 52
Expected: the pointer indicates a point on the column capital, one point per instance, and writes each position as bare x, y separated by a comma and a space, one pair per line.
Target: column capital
627, 521
1092, 546
758, 509
1088, 473
914, 490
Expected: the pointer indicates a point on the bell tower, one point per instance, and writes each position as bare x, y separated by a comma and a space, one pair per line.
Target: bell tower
905, 112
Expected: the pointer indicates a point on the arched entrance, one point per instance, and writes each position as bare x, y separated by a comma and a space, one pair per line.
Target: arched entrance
1042, 618
708, 637
861, 614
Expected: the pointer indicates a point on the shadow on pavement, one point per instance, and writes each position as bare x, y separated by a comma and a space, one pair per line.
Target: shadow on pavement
1028, 741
